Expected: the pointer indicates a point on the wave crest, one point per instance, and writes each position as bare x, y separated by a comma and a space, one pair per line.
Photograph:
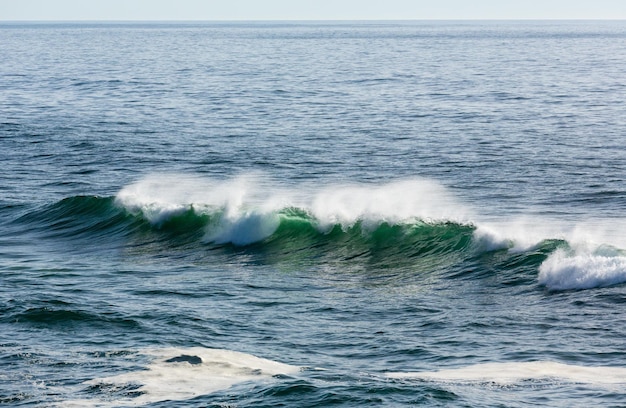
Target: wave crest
246, 210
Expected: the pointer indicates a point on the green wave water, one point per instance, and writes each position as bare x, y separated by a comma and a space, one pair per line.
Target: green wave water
88, 217
294, 235
288, 235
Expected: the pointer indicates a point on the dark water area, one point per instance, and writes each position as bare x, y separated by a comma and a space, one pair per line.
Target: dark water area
312, 214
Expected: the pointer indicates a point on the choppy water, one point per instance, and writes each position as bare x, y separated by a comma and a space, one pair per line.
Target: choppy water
313, 214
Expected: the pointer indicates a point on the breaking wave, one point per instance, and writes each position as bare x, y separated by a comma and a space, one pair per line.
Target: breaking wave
408, 223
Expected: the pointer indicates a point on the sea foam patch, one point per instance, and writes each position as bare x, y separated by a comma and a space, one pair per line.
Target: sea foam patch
511, 373
183, 373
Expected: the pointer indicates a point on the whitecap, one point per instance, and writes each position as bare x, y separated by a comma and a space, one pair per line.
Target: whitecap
563, 271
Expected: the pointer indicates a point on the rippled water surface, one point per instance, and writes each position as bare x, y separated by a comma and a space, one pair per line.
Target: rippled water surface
313, 214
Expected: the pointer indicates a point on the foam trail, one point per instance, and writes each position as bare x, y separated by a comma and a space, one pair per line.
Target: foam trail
511, 373
525, 232
183, 373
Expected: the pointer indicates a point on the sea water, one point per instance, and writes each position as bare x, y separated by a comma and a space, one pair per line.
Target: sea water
313, 214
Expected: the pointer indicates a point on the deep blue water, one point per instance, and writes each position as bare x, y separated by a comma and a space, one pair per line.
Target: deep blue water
313, 214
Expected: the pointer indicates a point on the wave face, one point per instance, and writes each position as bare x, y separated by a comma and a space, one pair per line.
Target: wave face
415, 224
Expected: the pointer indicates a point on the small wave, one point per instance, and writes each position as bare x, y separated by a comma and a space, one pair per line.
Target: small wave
78, 217
62, 317
177, 374
295, 231
512, 373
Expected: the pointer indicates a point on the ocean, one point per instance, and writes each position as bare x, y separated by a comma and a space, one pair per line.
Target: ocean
313, 214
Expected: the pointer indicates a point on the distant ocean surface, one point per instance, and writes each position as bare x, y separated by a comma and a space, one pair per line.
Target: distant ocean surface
313, 214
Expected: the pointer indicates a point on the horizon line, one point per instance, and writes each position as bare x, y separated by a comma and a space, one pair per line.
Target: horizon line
297, 20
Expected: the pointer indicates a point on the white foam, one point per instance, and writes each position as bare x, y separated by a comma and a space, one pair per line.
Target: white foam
511, 373
563, 271
487, 238
245, 211
593, 257
182, 380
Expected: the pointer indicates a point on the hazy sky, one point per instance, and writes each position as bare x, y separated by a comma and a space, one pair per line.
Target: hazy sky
309, 10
